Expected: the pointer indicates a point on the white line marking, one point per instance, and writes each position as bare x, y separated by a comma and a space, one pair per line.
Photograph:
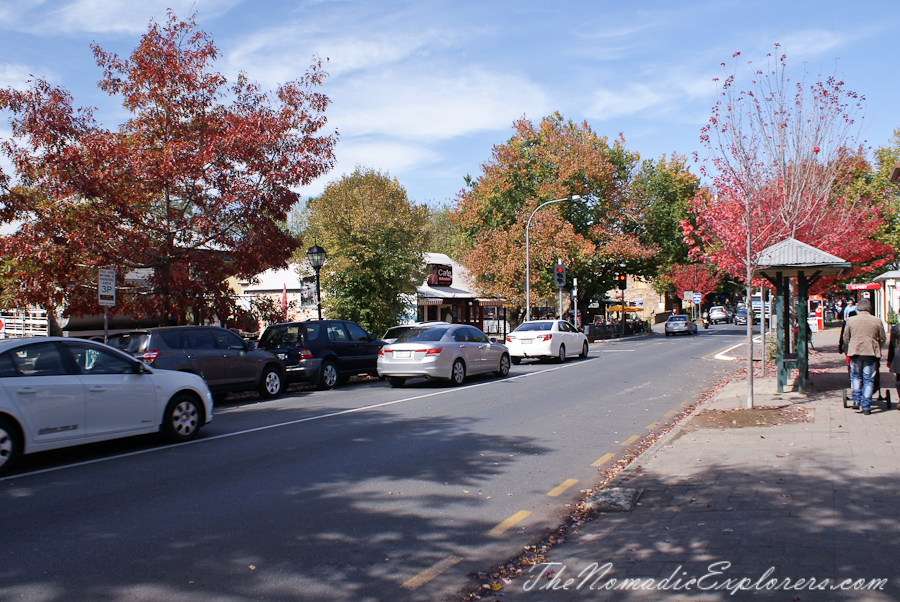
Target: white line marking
721, 355
298, 421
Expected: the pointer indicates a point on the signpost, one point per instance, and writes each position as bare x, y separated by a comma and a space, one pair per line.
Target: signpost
106, 295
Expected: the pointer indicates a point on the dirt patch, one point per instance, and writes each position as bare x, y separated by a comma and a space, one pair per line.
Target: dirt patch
741, 418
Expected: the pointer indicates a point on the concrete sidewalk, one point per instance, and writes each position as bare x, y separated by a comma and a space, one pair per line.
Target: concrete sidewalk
750, 509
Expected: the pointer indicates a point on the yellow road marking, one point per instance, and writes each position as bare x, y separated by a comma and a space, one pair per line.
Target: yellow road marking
512, 520
651, 426
603, 459
685, 404
670, 414
630, 440
562, 487
430, 573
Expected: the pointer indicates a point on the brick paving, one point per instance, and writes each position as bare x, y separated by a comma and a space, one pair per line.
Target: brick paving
807, 501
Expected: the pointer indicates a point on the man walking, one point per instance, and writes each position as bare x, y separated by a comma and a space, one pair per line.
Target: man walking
863, 337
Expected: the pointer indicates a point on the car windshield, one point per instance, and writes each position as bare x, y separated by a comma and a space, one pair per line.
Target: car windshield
532, 326
677, 318
717, 309
422, 334
130, 342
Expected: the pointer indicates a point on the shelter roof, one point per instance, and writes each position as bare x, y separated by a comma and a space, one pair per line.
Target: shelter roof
790, 257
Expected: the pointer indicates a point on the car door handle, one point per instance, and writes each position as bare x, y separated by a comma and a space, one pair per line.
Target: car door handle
26, 391
97, 389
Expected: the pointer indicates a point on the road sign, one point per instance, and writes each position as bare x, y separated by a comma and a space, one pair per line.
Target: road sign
688, 295
106, 287
697, 298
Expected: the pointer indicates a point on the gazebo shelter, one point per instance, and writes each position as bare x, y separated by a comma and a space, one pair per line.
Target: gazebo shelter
778, 264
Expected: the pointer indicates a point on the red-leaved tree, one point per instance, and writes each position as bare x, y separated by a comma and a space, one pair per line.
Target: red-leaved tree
781, 159
694, 277
193, 188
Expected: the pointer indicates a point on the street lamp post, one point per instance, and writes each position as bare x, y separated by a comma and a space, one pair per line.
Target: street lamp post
527, 258
317, 257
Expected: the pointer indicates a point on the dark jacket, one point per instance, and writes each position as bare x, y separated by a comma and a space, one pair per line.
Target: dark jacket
893, 357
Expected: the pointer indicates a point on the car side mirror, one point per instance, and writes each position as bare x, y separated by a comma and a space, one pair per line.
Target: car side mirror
139, 368
493, 339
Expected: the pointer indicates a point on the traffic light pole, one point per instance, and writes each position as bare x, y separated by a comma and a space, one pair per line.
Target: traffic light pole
527, 258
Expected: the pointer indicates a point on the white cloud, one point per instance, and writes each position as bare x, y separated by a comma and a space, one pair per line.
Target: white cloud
810, 43
435, 105
115, 16
14, 76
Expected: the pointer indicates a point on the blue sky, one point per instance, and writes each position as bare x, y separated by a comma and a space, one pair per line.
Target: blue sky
424, 89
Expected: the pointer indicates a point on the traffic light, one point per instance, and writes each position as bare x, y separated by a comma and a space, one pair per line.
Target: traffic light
559, 275
622, 279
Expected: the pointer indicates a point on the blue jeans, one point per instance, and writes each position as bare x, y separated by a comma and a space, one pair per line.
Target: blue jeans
862, 379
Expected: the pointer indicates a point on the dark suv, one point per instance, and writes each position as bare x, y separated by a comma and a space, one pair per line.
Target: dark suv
324, 353
225, 361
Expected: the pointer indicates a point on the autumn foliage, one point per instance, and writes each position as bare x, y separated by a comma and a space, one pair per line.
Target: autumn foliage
552, 160
783, 158
194, 187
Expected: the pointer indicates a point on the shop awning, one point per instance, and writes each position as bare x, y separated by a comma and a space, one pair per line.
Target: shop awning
491, 302
430, 301
628, 308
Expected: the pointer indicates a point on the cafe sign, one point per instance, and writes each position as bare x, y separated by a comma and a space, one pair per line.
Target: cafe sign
441, 275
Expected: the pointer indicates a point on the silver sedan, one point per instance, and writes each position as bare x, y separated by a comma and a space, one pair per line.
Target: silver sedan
445, 351
679, 324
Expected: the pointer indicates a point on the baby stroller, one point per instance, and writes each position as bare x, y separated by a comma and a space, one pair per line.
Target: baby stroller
885, 397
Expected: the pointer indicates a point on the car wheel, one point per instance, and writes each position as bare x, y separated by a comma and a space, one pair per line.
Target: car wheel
181, 422
584, 350
515, 360
328, 376
457, 373
396, 381
561, 357
504, 366
10, 445
271, 384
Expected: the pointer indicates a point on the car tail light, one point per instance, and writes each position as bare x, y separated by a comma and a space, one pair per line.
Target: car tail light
510, 339
382, 351
305, 354
148, 356
544, 337
432, 351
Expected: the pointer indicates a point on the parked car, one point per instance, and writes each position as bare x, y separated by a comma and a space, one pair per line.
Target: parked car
58, 392
740, 317
325, 353
447, 351
679, 324
548, 339
718, 315
225, 361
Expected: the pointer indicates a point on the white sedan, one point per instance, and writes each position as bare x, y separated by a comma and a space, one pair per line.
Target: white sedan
553, 339
57, 392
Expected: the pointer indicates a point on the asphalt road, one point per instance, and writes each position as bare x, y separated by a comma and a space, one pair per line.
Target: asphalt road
361, 493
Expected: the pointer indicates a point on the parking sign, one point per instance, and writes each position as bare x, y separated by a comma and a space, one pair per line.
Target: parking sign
696, 298
106, 287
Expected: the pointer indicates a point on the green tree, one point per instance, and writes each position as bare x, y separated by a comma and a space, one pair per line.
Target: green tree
663, 190
445, 236
375, 239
